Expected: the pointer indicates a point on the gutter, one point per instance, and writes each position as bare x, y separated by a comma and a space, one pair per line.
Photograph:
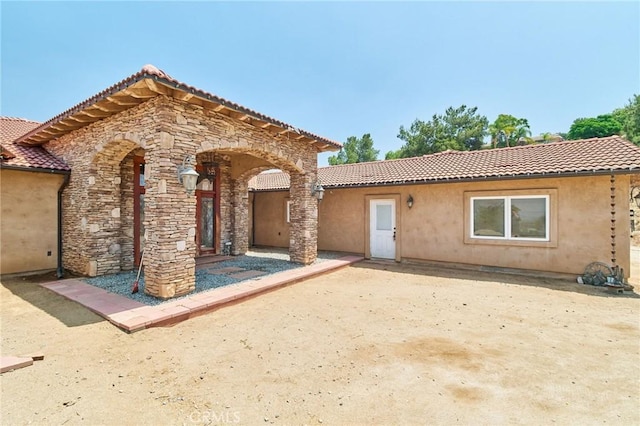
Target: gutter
577, 173
34, 170
65, 183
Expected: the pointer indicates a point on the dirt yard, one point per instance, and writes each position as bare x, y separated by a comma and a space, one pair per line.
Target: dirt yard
370, 344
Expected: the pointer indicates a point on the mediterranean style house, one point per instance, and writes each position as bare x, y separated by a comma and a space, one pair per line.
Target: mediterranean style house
127, 156
550, 207
154, 167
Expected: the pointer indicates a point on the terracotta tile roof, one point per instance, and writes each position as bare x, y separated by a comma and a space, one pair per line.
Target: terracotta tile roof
20, 156
270, 181
567, 158
150, 82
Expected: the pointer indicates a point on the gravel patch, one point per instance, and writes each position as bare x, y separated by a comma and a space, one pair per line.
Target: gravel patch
267, 261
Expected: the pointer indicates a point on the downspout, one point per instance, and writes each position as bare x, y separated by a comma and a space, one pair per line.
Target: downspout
65, 183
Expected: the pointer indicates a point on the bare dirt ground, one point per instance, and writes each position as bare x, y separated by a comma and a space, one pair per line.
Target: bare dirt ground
370, 344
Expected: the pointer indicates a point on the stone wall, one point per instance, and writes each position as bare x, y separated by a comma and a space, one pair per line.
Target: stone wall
98, 206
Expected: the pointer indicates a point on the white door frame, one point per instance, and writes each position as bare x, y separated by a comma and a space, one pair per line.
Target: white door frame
395, 198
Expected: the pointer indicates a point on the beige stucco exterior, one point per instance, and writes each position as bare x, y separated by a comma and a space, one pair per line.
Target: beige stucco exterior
29, 221
436, 227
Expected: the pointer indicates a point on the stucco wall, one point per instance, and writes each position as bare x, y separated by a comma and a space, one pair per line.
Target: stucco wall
270, 226
28, 218
434, 228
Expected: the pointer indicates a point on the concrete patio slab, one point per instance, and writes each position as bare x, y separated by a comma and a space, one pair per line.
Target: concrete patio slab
133, 316
247, 274
226, 270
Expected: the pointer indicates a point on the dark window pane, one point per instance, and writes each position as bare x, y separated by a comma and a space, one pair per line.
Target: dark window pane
528, 218
206, 222
488, 218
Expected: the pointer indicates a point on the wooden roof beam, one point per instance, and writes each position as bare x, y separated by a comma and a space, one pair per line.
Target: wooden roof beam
122, 101
62, 126
139, 92
75, 118
182, 96
94, 114
156, 87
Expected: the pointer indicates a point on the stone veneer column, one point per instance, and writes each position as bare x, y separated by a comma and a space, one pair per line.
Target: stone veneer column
240, 216
170, 220
303, 233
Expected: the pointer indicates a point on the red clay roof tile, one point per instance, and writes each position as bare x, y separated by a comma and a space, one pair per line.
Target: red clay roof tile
29, 157
151, 72
586, 156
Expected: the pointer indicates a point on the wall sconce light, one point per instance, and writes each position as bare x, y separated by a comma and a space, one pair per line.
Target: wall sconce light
187, 175
208, 172
410, 201
636, 198
318, 191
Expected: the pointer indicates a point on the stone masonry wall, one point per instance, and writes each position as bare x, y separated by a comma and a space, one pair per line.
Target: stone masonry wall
93, 195
96, 237
303, 231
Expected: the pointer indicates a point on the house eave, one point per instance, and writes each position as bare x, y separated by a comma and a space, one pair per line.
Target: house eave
576, 173
146, 85
35, 169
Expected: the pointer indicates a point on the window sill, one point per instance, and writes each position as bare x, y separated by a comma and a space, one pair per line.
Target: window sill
510, 243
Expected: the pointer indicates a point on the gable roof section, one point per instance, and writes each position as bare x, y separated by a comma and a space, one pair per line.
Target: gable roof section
567, 158
24, 157
148, 83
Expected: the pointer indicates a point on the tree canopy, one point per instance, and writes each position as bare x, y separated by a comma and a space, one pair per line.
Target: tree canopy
629, 119
598, 127
355, 150
508, 130
461, 129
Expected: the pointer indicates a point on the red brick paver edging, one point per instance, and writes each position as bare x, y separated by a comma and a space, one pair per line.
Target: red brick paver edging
132, 316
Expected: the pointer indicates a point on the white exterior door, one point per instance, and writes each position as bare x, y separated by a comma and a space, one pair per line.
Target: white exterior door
383, 229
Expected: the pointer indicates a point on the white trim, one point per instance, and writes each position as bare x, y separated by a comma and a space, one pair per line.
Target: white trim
507, 218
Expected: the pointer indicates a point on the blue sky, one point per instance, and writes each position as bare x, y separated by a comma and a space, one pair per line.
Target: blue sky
337, 69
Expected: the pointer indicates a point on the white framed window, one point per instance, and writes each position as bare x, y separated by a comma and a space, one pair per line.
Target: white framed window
288, 211
513, 218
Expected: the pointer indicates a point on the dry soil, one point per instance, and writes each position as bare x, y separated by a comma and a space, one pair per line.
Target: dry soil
370, 344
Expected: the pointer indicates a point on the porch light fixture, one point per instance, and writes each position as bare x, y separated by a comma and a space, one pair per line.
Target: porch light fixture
210, 171
187, 175
410, 201
636, 198
318, 191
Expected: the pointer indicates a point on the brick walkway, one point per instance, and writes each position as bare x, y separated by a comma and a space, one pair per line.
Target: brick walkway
133, 316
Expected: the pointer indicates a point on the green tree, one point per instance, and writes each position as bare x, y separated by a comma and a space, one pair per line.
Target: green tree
461, 129
598, 127
355, 150
547, 137
629, 118
508, 130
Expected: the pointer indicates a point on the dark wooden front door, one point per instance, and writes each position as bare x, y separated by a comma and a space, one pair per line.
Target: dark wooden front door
208, 214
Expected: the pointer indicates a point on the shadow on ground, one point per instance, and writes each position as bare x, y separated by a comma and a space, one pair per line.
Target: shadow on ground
28, 289
551, 281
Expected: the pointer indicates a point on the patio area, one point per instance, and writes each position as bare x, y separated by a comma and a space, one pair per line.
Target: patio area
219, 281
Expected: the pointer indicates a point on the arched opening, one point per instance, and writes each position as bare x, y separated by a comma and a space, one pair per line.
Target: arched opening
225, 211
112, 207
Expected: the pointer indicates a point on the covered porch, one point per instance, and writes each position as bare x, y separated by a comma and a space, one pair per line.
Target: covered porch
126, 147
